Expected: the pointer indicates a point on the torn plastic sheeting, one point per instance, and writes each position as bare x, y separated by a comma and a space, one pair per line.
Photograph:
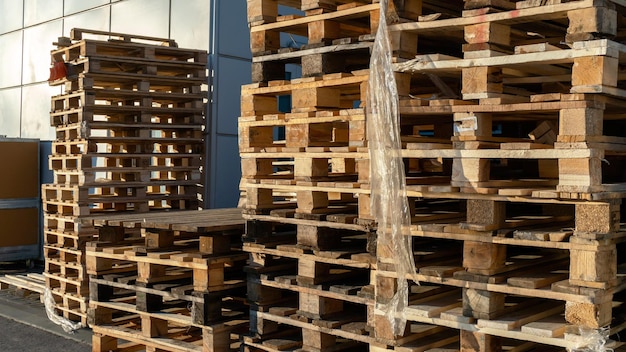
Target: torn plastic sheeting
67, 325
388, 192
592, 340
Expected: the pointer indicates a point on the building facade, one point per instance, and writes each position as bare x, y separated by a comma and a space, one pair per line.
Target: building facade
29, 27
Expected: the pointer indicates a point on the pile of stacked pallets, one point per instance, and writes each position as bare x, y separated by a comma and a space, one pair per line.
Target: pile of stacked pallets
129, 138
512, 141
177, 285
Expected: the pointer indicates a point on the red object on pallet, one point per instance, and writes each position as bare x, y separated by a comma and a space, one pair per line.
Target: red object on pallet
57, 71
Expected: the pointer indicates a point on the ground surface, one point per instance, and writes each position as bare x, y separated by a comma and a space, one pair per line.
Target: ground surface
24, 325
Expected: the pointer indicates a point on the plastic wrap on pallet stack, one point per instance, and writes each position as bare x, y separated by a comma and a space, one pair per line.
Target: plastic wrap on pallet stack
388, 199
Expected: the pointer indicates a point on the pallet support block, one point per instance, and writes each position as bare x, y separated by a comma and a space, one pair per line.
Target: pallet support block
482, 304
404, 44
257, 136
316, 307
99, 316
310, 202
313, 340
112, 234
467, 172
147, 302
593, 268
158, 238
214, 244
319, 64
261, 11
216, 339
255, 229
268, 71
575, 125
307, 168
257, 105
589, 315
207, 311
312, 272
153, 327
317, 238
598, 218
309, 99
205, 279
595, 70
102, 343
323, 31
580, 175
488, 32
483, 258
386, 288
589, 23
263, 41
486, 212
365, 207
258, 198
481, 82
407, 9
477, 342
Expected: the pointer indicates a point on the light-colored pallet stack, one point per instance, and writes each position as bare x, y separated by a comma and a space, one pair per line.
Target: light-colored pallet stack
511, 136
541, 234
167, 281
129, 127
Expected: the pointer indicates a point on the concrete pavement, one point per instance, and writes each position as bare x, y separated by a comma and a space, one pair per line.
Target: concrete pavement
24, 326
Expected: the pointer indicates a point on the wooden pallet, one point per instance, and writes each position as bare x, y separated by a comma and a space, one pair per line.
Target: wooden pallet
24, 284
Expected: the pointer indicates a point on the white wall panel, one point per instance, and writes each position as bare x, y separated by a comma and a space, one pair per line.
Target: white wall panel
11, 15
74, 6
37, 45
11, 57
190, 23
36, 111
97, 19
142, 17
10, 112
39, 11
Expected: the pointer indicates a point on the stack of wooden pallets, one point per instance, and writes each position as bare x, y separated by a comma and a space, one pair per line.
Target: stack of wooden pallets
511, 132
167, 282
129, 128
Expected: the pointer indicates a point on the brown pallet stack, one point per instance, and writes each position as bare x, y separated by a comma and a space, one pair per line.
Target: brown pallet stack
176, 285
129, 128
305, 176
511, 139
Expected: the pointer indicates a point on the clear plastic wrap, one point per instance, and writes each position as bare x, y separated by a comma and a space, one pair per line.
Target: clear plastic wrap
67, 325
592, 340
388, 192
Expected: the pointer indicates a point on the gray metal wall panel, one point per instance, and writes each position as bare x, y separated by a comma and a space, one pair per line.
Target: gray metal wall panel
231, 74
225, 183
233, 35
